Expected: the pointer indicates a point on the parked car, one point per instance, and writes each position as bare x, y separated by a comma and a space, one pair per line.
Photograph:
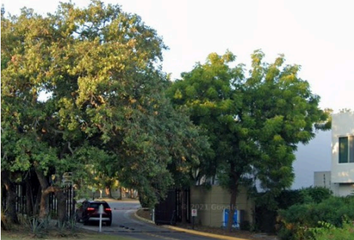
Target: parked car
88, 212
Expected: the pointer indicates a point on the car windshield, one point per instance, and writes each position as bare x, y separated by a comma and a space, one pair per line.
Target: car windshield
96, 205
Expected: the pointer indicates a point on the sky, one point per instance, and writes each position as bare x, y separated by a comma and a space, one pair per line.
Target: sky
316, 34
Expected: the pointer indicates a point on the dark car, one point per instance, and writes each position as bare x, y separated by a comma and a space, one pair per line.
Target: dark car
88, 212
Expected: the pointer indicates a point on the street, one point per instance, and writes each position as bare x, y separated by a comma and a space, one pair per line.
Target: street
125, 224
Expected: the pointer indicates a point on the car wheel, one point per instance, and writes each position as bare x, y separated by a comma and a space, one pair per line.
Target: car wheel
109, 223
86, 222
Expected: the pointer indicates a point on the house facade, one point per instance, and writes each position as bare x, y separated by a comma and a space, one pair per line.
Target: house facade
323, 179
341, 177
342, 168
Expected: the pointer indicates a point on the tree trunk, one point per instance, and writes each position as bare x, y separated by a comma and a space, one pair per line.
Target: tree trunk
108, 192
232, 208
10, 211
46, 189
121, 193
11, 203
43, 181
43, 211
61, 206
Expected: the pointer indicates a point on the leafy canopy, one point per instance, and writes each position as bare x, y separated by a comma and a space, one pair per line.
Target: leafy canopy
254, 120
106, 110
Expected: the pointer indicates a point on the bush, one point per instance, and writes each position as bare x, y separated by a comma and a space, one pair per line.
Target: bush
245, 226
266, 211
328, 231
297, 219
315, 194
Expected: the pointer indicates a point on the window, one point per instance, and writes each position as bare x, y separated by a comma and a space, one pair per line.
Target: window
346, 149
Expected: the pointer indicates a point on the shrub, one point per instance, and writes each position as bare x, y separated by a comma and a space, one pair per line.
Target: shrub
297, 219
315, 194
266, 210
245, 225
329, 231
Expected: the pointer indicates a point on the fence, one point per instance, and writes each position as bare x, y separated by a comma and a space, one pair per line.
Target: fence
26, 199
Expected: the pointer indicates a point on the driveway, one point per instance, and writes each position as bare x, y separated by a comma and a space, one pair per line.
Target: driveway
125, 223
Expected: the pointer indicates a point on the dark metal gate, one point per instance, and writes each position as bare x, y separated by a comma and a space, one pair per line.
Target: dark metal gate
70, 202
165, 211
173, 208
22, 196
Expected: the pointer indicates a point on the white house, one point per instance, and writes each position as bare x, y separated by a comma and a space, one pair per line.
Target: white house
342, 168
341, 177
323, 179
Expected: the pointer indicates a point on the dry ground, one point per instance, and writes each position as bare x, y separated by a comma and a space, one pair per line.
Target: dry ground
220, 231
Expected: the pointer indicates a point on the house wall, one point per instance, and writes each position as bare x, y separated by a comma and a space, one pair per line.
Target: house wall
342, 125
312, 157
343, 189
322, 179
210, 204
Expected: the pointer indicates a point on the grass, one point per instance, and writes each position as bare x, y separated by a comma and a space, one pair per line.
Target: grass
82, 236
23, 234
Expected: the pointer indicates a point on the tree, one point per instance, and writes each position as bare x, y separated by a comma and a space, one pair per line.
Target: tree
22, 149
101, 69
254, 122
345, 110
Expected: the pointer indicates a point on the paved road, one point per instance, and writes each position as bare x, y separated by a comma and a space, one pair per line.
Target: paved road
125, 224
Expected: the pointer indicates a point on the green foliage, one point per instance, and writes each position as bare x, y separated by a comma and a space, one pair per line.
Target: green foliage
315, 194
67, 228
323, 231
298, 218
39, 228
253, 122
287, 198
328, 231
106, 115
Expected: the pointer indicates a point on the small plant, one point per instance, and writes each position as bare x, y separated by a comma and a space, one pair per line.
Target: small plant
67, 228
62, 229
38, 227
72, 224
53, 214
4, 223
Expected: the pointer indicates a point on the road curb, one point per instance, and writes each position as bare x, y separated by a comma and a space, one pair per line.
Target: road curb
141, 218
205, 234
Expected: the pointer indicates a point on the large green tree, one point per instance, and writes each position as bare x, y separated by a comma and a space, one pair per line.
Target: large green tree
101, 69
254, 121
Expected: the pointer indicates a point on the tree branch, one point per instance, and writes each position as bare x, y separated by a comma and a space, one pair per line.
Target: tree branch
70, 149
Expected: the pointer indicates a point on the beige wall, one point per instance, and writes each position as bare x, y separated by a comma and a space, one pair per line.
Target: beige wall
210, 204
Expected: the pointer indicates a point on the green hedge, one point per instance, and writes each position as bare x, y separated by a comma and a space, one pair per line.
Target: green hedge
296, 221
266, 212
